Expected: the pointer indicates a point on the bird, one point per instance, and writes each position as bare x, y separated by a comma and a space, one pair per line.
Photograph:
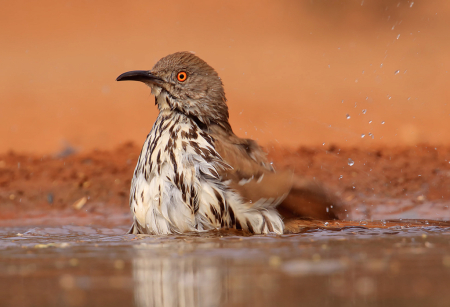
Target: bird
194, 173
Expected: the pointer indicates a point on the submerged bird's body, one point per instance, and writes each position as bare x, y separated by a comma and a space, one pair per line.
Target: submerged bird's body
194, 173
177, 188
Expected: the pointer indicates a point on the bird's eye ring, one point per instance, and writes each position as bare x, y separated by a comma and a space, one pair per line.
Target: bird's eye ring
182, 76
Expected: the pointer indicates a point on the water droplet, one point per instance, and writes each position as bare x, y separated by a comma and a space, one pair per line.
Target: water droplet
326, 223
382, 122
364, 111
327, 209
398, 36
389, 97
363, 135
370, 121
412, 3
323, 144
363, 72
354, 187
250, 201
409, 98
381, 65
370, 134
350, 162
340, 177
396, 72
347, 116
156, 198
342, 101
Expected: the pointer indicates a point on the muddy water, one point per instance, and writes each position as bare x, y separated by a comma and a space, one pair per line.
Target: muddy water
100, 266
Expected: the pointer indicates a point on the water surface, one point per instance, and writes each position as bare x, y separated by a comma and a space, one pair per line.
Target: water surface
101, 266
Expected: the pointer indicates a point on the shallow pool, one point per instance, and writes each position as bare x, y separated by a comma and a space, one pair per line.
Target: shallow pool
101, 266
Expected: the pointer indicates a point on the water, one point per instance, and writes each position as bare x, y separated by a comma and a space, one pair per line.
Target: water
102, 266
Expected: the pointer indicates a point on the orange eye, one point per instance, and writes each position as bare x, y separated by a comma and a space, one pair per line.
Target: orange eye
182, 76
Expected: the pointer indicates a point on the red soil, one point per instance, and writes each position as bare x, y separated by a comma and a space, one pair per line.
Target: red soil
408, 182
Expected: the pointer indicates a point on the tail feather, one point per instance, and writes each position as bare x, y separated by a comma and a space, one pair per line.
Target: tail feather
309, 199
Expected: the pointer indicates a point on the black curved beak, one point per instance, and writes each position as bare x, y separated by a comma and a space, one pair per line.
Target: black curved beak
139, 75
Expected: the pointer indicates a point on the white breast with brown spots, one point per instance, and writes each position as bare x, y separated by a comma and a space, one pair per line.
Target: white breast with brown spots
176, 187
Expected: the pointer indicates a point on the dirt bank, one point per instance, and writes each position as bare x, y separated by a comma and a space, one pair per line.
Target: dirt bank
404, 182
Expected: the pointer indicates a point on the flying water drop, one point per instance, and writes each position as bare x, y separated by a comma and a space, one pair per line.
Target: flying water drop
347, 116
351, 162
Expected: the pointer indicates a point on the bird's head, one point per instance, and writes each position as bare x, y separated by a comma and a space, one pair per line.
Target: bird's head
182, 82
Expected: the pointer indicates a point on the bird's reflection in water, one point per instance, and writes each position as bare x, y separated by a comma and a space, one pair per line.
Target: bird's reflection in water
177, 280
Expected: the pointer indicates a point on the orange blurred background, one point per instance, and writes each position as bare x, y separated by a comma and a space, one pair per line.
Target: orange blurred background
292, 70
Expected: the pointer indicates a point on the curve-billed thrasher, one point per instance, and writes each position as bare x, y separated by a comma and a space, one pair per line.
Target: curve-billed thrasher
194, 173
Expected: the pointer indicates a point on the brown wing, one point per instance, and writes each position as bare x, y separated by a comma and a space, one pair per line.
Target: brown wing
252, 176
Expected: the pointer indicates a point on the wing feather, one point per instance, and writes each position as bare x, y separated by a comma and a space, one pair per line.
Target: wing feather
251, 175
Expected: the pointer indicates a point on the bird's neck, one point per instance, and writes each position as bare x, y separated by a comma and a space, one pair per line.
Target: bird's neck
163, 102
167, 105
